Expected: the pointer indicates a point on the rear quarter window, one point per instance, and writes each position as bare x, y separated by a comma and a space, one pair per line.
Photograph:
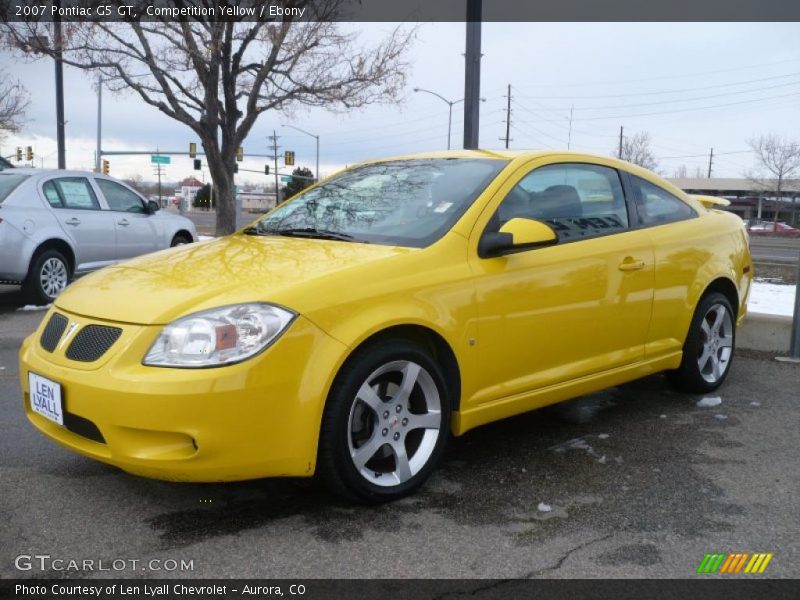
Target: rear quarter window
8, 183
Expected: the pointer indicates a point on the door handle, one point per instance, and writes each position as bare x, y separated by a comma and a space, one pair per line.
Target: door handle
73, 221
123, 222
630, 264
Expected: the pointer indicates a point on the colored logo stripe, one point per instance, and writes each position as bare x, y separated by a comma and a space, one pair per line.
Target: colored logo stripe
734, 562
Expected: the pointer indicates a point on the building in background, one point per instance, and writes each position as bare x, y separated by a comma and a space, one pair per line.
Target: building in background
186, 192
751, 200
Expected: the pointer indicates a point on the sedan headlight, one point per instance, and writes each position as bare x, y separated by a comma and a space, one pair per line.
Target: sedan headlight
218, 337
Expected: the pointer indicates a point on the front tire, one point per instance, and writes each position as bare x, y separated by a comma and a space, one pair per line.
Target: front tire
386, 423
708, 350
48, 276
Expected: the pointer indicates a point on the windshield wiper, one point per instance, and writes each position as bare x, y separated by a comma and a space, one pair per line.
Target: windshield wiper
313, 232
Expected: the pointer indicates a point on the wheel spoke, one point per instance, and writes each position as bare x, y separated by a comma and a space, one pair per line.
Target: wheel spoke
706, 328
716, 371
410, 374
368, 396
362, 455
726, 342
402, 464
719, 316
704, 357
430, 420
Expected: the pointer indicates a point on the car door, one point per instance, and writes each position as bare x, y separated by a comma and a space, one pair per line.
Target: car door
580, 306
78, 211
136, 230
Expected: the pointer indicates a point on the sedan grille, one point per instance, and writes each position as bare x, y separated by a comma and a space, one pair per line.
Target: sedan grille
92, 342
53, 332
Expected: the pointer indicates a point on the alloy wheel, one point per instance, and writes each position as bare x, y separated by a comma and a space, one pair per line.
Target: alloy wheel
394, 424
53, 277
716, 348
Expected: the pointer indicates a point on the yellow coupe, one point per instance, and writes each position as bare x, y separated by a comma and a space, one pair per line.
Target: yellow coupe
350, 331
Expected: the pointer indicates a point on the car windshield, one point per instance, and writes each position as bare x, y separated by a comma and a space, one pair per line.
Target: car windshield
8, 183
400, 203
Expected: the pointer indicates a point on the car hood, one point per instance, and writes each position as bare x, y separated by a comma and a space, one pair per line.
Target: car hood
160, 287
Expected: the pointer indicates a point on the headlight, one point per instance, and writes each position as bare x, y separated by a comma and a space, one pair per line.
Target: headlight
219, 336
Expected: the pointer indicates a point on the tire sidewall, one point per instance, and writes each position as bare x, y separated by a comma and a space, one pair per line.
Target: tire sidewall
33, 284
690, 370
337, 414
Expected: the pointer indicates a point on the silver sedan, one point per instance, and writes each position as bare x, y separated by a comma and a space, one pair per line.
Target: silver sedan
55, 225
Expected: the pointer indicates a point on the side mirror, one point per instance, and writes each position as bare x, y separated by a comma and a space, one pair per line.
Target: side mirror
515, 236
152, 207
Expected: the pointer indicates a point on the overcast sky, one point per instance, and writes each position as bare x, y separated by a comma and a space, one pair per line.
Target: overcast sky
692, 86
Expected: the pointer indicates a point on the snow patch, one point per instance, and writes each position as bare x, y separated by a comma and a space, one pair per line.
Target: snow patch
709, 401
578, 444
33, 307
544, 507
205, 238
771, 298
602, 436
755, 403
721, 417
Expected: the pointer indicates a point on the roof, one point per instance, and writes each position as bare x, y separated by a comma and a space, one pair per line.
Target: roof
721, 184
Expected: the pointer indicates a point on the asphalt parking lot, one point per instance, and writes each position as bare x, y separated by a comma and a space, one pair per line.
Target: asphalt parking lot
639, 482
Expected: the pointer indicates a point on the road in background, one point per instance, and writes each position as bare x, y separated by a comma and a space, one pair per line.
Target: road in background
768, 249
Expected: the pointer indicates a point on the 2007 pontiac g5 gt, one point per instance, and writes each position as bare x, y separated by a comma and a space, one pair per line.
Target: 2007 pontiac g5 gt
350, 331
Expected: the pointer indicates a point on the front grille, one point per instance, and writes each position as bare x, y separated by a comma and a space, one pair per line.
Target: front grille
92, 342
53, 332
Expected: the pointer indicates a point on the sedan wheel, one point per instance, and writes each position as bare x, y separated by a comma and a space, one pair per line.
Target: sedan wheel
48, 276
53, 277
386, 423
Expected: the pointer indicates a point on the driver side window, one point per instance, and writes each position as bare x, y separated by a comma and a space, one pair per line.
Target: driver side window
120, 198
578, 201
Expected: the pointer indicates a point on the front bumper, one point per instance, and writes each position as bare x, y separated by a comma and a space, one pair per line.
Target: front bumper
259, 418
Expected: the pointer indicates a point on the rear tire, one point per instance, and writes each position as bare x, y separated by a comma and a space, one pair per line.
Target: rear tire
180, 240
708, 350
47, 277
385, 424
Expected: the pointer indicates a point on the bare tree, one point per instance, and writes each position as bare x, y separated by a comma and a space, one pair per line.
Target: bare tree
779, 159
636, 149
14, 101
681, 172
218, 76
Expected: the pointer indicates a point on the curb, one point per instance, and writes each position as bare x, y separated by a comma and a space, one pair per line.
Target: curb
764, 332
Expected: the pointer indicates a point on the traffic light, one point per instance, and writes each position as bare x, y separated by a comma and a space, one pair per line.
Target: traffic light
19, 153
106, 167
288, 158
266, 169
192, 150
197, 164
29, 153
240, 154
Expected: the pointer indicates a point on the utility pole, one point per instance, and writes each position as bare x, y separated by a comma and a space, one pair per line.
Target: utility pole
710, 161
98, 152
275, 147
472, 75
62, 160
508, 116
620, 142
569, 135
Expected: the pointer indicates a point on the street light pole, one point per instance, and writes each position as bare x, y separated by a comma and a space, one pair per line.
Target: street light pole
450, 103
98, 151
316, 137
472, 75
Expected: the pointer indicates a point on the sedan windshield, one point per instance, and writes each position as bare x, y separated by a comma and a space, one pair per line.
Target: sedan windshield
400, 203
